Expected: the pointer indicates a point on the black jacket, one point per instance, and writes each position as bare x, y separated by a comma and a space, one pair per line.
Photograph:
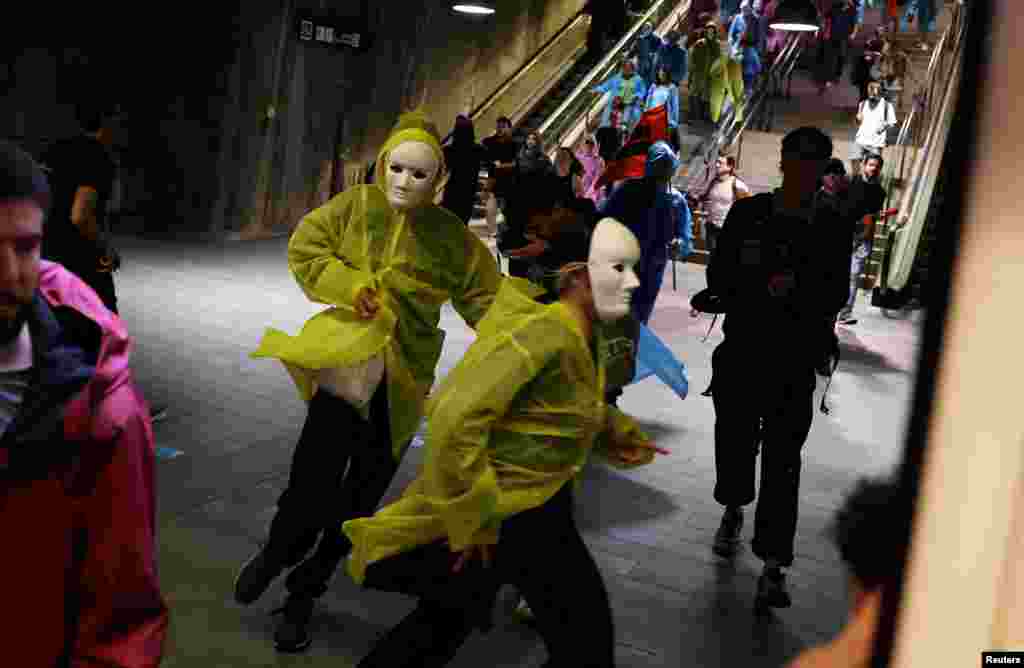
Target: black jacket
757, 243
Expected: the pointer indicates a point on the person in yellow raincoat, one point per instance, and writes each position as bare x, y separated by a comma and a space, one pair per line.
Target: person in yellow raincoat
384, 259
508, 431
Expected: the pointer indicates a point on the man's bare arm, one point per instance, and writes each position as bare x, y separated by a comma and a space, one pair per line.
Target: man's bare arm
83, 212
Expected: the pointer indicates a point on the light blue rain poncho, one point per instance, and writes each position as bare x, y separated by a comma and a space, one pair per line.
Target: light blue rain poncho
633, 92
655, 226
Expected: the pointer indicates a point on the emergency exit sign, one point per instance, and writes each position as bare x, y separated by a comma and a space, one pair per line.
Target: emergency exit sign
332, 32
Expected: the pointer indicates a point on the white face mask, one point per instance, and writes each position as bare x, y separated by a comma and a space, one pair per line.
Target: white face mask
614, 254
411, 174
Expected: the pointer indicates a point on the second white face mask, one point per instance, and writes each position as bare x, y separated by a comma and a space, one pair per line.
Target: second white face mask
614, 254
411, 174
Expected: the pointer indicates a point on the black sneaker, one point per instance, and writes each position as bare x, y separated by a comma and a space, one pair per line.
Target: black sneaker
727, 538
292, 636
771, 590
255, 577
311, 577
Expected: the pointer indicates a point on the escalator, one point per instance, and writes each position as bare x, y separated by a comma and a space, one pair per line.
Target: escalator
558, 91
561, 107
551, 92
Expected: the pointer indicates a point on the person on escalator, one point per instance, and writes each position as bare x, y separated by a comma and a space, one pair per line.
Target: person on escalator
673, 57
607, 23
501, 158
646, 50
464, 157
593, 166
665, 93
631, 88
531, 158
868, 196
743, 43
840, 29
875, 115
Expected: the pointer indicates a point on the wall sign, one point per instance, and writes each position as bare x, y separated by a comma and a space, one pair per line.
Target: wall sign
332, 32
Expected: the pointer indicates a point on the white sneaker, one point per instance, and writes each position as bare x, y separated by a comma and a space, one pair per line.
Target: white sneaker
523, 612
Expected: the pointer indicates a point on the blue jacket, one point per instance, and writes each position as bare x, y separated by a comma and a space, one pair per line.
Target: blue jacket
654, 225
672, 104
674, 58
613, 85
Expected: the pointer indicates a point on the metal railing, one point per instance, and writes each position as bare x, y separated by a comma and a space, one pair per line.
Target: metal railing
927, 125
731, 127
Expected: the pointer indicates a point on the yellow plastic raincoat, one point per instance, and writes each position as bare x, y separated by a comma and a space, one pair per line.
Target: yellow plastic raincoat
416, 261
510, 425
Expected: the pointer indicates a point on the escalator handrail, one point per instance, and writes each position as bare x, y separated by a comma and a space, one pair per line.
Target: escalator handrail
602, 67
488, 101
942, 47
786, 62
677, 13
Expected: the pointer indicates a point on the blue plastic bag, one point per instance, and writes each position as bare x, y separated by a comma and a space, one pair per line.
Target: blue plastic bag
654, 358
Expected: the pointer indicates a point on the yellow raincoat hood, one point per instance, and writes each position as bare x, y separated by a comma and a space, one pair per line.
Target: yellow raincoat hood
416, 261
413, 126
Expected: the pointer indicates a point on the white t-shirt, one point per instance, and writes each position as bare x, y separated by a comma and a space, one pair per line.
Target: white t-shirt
874, 123
15, 373
721, 197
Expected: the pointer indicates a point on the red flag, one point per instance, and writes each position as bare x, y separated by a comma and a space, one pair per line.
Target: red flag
631, 160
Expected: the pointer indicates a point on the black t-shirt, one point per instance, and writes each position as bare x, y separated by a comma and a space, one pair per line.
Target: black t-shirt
463, 164
75, 162
501, 150
866, 198
869, 196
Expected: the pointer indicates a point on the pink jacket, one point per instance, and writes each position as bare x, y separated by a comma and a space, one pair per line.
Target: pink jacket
77, 499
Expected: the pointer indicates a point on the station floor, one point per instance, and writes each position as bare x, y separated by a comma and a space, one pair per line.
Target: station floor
196, 312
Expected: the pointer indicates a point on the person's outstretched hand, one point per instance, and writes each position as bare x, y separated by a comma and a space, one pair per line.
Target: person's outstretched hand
638, 451
466, 556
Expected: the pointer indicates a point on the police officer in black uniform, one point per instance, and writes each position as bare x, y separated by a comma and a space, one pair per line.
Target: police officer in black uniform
780, 269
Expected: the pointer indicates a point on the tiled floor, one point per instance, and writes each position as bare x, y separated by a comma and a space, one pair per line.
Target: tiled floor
197, 311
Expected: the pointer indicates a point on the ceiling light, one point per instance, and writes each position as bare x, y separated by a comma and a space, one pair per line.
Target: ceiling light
480, 7
796, 16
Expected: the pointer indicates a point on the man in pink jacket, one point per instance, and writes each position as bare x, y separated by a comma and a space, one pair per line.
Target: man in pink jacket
77, 504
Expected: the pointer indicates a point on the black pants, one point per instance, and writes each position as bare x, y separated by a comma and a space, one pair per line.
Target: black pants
832, 54
773, 404
541, 553
321, 494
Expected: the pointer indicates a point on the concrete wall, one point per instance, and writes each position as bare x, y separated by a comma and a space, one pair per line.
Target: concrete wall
456, 60
205, 160
423, 55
